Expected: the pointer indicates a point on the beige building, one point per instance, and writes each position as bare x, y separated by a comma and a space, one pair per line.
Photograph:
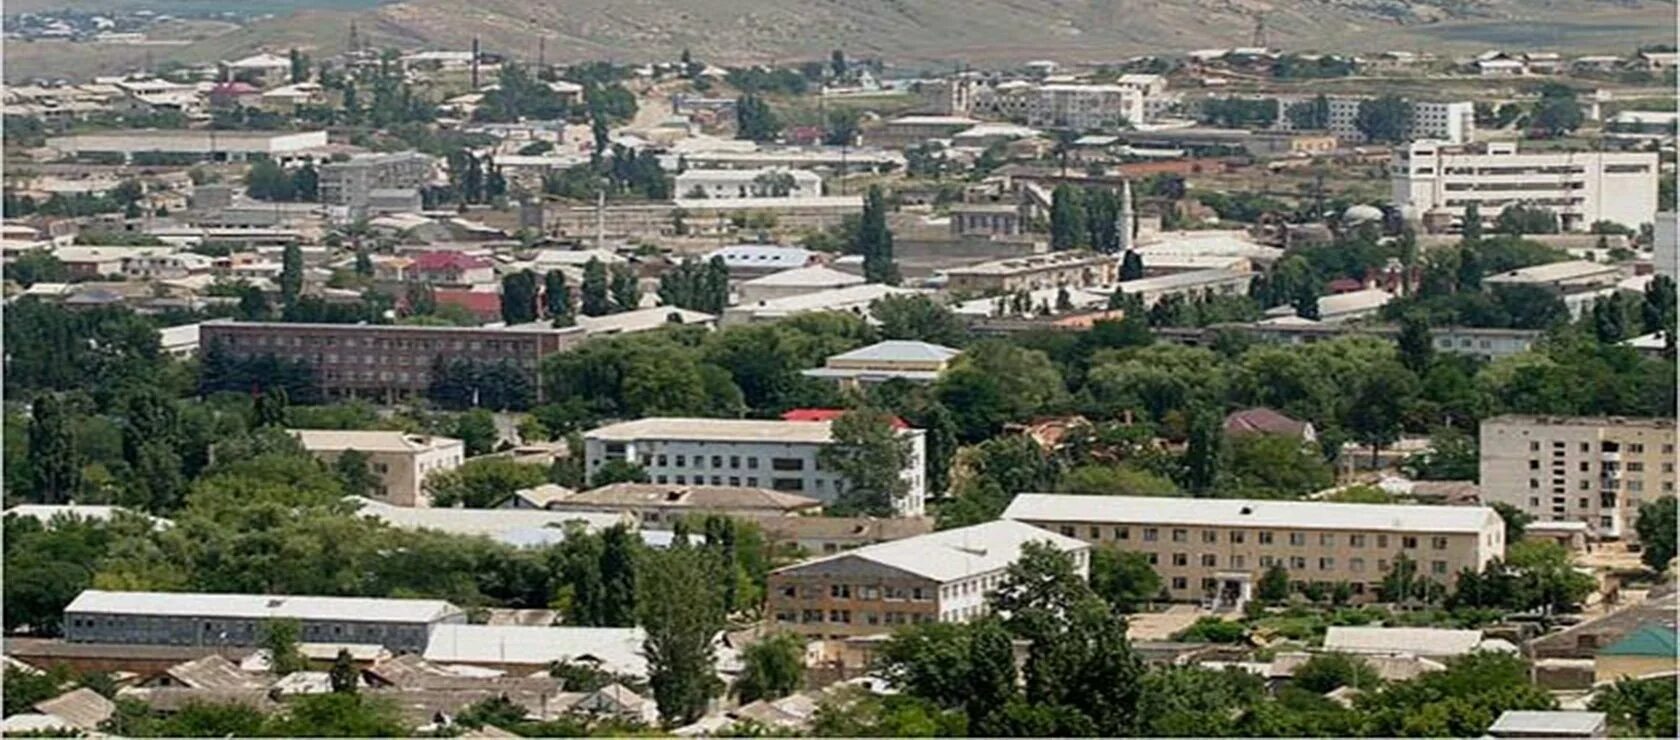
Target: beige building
1216, 549
1596, 470
1057, 269
939, 577
917, 362
402, 460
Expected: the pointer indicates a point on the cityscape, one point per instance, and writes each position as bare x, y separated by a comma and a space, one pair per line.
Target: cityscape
422, 370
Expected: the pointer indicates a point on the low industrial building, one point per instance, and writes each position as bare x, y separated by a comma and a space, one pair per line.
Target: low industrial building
1188, 286
191, 144
854, 299
780, 455
751, 183
939, 577
203, 619
1215, 550
795, 282
1057, 269
402, 461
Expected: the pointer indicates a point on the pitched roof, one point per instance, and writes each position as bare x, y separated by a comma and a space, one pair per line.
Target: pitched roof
898, 350
813, 276
84, 708
212, 672
1652, 640
829, 415
1262, 420
697, 497
482, 303
953, 553
616, 649
446, 260
1401, 640
1550, 723
1257, 513
855, 529
260, 606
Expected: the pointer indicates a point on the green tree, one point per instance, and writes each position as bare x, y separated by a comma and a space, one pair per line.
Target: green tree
1068, 228
626, 292
1638, 707
1655, 526
482, 483
871, 456
617, 471
1379, 406
1274, 584
1326, 672
267, 181
1416, 345
1556, 113
1125, 580
280, 639
557, 298
874, 240
519, 298
269, 409
1524, 218
291, 275
339, 715
918, 318
344, 677
682, 612
1131, 266
1385, 119
1547, 578
1204, 453
990, 683
754, 120
596, 300
1462, 701
771, 668
355, 471
54, 459
1472, 224
477, 431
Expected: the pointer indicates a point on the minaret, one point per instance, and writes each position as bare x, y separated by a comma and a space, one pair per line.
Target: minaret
1127, 226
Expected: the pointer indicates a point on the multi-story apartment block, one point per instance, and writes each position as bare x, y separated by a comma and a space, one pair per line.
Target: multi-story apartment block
1216, 550
938, 577
780, 455
1596, 470
1057, 269
1084, 107
1451, 122
232, 620
385, 361
402, 461
352, 182
1580, 187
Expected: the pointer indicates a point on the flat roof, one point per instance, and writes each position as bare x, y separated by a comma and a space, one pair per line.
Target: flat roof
900, 350
533, 328
1191, 278
1052, 261
510, 526
1410, 640
954, 553
1552, 272
260, 606
813, 275
370, 440
715, 430
1554, 723
1649, 422
1256, 513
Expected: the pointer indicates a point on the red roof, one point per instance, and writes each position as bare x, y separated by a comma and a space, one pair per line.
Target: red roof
1262, 420
234, 88
487, 306
828, 415
430, 261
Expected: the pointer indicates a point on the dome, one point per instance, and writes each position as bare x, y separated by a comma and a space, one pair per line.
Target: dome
1361, 214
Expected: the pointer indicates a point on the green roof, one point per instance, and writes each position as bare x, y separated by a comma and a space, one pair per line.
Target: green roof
1651, 639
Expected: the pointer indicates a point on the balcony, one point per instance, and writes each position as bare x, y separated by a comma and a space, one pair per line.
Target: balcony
1610, 457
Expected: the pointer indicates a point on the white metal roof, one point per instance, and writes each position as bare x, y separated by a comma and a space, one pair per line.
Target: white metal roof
1232, 512
762, 255
260, 606
955, 553
1398, 640
715, 430
1557, 723
897, 350
503, 524
812, 276
642, 320
618, 649
370, 440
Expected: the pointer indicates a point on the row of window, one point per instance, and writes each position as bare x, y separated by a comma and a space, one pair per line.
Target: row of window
1293, 562
458, 345
844, 616
1094, 533
864, 592
1633, 448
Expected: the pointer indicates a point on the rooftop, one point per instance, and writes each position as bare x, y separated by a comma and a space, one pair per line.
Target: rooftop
1551, 723
1401, 640
1580, 421
370, 440
836, 299
1015, 265
715, 430
762, 255
617, 650
512, 526
644, 319
954, 553
811, 276
1225, 512
287, 327
1554, 272
899, 351
696, 497
260, 606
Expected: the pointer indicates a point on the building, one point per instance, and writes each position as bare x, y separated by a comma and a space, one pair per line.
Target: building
1262, 420
156, 618
1487, 343
758, 260
1451, 122
905, 131
403, 461
1189, 286
1596, 470
1572, 276
939, 577
522, 649
1056, 269
987, 220
753, 183
1550, 723
795, 282
1216, 549
190, 144
643, 319
1665, 247
1084, 107
916, 362
384, 360
1429, 642
659, 506
516, 527
1581, 187
853, 299
353, 182
780, 455
1647, 651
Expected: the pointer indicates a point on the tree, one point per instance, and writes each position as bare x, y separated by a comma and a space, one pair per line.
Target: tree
482, 483
300, 66
617, 471
519, 298
1547, 579
1523, 218
1638, 707
837, 63
754, 120
596, 300
557, 298
771, 668
343, 677
626, 292
306, 184
280, 639
1131, 267
1384, 119
291, 275
355, 471
870, 455
1067, 218
1274, 584
268, 181
1326, 672
1516, 520
1656, 533
477, 431
990, 684
339, 715
1102, 215
269, 409
1556, 113
874, 240
1416, 346
1461, 701
1472, 226
918, 318
1124, 579
1657, 311
1204, 453
1378, 406
54, 459
682, 612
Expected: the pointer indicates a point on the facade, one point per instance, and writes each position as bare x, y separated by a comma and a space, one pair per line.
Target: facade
1084, 107
906, 131
1189, 285
385, 361
1481, 342
780, 455
755, 183
659, 506
938, 577
1596, 470
1057, 269
1451, 122
1216, 550
987, 220
353, 182
917, 362
1581, 187
195, 144
234, 620
402, 461
1665, 247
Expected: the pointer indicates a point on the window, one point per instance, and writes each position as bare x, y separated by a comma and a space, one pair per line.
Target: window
1438, 543
1210, 560
1356, 540
1122, 533
1266, 561
1180, 559
1326, 563
1438, 567
840, 591
787, 484
1265, 538
662, 462
786, 463
1210, 537
1382, 541
1297, 539
1067, 530
1151, 534
1409, 542
1297, 563
1356, 565
1180, 583
1239, 561
1238, 536
682, 461
752, 463
717, 461
734, 461
1326, 540
1181, 535
1154, 559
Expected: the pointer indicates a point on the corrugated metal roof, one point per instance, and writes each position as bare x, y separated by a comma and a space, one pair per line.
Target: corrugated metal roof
954, 553
259, 606
1230, 512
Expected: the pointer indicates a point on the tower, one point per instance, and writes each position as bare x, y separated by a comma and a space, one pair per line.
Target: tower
475, 63
1126, 225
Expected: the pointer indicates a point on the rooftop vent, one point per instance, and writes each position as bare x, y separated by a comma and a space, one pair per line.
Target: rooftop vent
1246, 510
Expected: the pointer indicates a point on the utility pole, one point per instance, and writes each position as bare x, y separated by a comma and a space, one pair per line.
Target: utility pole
475, 63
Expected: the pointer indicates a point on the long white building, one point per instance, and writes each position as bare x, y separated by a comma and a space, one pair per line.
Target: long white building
1581, 187
780, 455
1452, 122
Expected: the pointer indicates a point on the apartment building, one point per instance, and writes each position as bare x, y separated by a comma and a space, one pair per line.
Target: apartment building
403, 461
1215, 550
916, 362
780, 455
1056, 269
938, 577
352, 182
1596, 470
1451, 122
1486, 343
385, 361
1084, 107
1581, 187
234, 620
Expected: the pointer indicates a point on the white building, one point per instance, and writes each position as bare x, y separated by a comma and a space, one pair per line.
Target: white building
769, 182
798, 281
281, 146
1083, 107
854, 299
1665, 240
780, 455
1581, 187
1452, 122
